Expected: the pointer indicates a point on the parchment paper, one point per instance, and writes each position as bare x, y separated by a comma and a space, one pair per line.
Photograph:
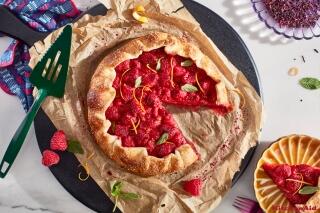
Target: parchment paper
222, 141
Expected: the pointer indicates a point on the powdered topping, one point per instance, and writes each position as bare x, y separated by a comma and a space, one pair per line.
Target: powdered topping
145, 84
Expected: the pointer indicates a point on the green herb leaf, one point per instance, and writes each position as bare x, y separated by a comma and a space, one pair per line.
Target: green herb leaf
308, 190
163, 138
189, 88
74, 147
116, 192
158, 67
116, 189
129, 196
138, 81
310, 83
186, 63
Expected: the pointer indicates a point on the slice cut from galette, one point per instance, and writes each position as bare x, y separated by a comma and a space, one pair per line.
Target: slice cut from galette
291, 179
313, 204
128, 95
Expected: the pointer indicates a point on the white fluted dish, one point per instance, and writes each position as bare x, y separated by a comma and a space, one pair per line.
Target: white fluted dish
292, 150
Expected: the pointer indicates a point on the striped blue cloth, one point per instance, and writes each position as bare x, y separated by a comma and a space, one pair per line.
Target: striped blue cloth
44, 16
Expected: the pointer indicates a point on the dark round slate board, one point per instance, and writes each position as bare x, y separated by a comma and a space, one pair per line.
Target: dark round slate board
88, 192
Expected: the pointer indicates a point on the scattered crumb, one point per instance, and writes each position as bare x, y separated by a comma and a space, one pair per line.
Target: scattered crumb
301, 100
317, 51
303, 59
293, 71
163, 205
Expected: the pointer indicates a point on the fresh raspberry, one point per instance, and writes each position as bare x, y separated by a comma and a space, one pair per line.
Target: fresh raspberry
193, 186
179, 71
50, 158
59, 141
112, 112
148, 58
164, 149
121, 130
188, 78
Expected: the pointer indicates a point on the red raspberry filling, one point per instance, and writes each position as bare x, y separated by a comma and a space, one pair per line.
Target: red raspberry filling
290, 179
143, 86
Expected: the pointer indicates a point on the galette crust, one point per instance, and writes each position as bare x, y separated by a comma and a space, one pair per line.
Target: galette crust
101, 94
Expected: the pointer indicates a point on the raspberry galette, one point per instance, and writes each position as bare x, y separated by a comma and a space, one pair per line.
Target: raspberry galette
129, 93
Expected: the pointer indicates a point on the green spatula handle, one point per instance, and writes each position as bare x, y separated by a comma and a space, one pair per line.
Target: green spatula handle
20, 135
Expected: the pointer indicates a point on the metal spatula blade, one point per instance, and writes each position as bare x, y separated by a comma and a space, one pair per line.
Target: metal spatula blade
49, 76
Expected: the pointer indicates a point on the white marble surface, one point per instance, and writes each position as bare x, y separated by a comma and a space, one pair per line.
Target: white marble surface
30, 187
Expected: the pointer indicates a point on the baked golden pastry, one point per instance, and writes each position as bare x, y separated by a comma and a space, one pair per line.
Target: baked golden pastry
127, 97
286, 168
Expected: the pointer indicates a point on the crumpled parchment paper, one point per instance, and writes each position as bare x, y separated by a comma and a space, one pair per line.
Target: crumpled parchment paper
222, 141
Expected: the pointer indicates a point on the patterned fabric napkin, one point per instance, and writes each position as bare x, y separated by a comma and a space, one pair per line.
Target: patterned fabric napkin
44, 16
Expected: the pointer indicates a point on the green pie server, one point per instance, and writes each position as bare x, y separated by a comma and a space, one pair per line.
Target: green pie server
49, 76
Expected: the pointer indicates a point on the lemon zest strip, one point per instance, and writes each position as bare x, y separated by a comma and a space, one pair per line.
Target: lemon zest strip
137, 124
197, 80
138, 14
139, 8
299, 181
134, 95
171, 77
134, 126
86, 168
121, 82
151, 69
170, 142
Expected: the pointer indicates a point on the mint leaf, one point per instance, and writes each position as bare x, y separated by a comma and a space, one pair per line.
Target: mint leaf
158, 67
310, 83
308, 190
116, 189
129, 196
163, 138
138, 81
74, 147
189, 88
186, 63
116, 192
